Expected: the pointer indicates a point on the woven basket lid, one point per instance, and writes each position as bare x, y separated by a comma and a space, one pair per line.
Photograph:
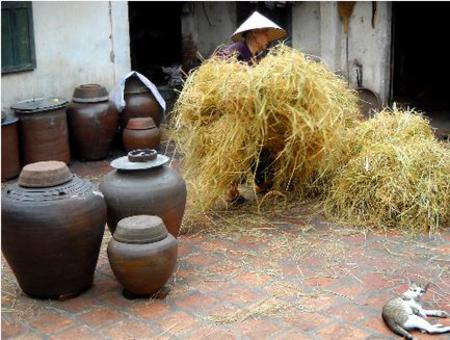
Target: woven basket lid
143, 123
44, 174
90, 93
140, 229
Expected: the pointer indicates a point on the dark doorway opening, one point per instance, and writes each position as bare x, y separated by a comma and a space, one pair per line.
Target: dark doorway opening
421, 69
155, 37
277, 11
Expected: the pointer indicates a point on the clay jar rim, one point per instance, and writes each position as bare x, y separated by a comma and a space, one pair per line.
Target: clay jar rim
35, 105
142, 123
44, 174
90, 93
140, 229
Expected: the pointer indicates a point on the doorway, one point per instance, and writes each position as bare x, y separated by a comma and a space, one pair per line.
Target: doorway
155, 37
421, 67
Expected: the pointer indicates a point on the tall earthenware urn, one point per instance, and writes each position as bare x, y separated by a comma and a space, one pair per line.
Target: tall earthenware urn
43, 130
142, 254
142, 184
92, 122
52, 227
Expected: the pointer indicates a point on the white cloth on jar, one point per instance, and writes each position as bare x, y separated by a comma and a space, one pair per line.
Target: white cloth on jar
117, 93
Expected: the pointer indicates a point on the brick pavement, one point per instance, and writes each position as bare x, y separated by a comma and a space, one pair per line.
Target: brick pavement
293, 276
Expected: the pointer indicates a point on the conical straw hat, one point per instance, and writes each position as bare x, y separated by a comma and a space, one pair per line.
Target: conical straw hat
255, 21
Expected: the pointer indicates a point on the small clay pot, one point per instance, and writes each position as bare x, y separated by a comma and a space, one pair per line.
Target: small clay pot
141, 133
142, 255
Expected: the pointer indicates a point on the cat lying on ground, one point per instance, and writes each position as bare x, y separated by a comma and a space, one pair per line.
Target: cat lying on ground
405, 313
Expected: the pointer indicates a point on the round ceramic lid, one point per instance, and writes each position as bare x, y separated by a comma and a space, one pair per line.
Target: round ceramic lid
140, 229
140, 159
39, 105
90, 93
44, 174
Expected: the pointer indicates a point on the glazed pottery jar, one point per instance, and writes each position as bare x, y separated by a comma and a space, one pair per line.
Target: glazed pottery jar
92, 122
142, 185
43, 130
52, 227
142, 254
141, 133
10, 147
139, 102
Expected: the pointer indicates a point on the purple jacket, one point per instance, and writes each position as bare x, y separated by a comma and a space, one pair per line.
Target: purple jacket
243, 52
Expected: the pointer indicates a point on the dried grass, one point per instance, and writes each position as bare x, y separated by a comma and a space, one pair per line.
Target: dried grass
228, 112
398, 175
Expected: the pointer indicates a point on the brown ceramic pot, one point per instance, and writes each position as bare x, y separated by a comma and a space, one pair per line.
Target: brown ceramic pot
43, 130
144, 187
139, 102
92, 122
10, 148
142, 254
52, 228
141, 133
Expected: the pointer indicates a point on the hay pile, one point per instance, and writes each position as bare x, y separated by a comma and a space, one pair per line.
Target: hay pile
397, 175
228, 112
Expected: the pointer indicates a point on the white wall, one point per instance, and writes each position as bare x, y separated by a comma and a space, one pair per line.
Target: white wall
306, 27
76, 43
318, 29
215, 23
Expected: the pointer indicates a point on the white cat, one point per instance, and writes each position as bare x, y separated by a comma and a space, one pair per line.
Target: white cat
405, 313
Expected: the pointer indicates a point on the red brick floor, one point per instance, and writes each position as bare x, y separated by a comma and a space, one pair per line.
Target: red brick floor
294, 276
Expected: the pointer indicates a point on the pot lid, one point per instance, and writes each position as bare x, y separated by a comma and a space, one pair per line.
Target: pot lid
90, 93
140, 159
134, 85
141, 123
39, 104
44, 174
8, 119
140, 229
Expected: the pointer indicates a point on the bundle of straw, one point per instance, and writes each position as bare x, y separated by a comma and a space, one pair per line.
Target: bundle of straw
228, 112
397, 175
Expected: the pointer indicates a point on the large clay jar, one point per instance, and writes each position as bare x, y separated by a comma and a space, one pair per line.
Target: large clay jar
141, 133
92, 122
142, 185
52, 227
142, 254
43, 130
10, 148
139, 102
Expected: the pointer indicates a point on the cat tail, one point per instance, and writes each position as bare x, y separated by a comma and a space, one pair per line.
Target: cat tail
397, 329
